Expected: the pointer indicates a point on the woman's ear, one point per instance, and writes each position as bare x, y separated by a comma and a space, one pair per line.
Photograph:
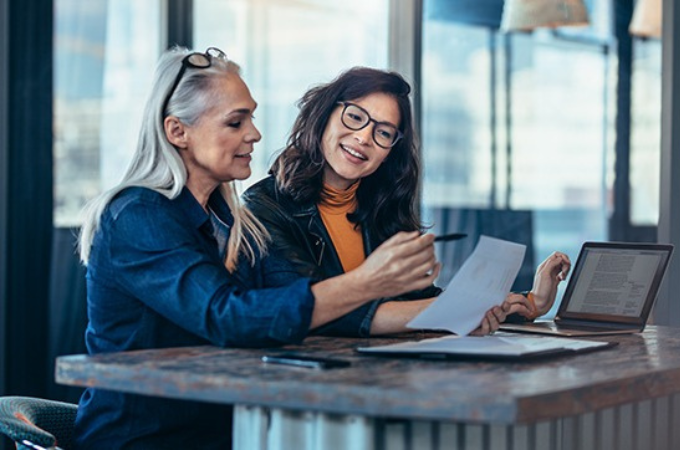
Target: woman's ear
175, 132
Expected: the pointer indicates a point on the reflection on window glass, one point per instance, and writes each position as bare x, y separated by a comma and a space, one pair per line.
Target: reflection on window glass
104, 54
560, 125
515, 121
517, 129
457, 115
285, 47
645, 146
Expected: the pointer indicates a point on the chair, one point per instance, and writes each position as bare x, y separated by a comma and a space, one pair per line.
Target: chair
34, 423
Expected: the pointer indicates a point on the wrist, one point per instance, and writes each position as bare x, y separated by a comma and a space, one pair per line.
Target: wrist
357, 285
534, 312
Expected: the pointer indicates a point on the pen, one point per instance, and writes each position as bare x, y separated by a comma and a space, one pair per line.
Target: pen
450, 237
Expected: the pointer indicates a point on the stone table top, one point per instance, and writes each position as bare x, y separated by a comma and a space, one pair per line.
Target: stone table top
640, 367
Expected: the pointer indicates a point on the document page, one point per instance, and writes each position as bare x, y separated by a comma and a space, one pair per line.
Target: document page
483, 281
614, 282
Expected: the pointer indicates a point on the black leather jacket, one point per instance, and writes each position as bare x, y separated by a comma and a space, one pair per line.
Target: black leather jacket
299, 235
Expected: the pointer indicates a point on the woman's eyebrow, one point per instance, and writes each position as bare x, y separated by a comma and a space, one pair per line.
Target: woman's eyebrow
386, 121
380, 121
241, 111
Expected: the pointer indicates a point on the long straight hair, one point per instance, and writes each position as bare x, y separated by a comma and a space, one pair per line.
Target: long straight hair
156, 163
388, 198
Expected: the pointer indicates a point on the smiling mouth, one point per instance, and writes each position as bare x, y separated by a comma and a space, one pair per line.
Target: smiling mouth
243, 155
354, 153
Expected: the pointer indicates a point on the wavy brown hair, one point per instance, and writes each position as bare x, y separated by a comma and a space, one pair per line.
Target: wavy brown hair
388, 198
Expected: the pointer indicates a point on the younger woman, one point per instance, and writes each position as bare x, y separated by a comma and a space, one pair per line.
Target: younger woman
346, 182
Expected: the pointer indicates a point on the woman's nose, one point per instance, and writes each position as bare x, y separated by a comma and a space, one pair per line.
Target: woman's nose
254, 135
364, 135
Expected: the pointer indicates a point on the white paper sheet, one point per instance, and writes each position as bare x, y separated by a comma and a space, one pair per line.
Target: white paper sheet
482, 282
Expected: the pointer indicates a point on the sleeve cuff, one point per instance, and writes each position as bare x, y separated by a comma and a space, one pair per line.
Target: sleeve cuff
292, 322
365, 325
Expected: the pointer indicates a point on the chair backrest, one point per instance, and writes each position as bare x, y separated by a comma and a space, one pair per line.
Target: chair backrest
34, 423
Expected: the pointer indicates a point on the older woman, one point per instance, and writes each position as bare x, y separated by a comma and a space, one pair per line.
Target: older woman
348, 180
174, 260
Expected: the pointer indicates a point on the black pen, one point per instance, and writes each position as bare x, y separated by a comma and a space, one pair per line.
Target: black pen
450, 237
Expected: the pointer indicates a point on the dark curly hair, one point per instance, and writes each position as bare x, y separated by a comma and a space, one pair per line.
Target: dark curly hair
388, 198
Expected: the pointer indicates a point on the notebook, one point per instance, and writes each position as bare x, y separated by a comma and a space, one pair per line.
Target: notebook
500, 346
611, 291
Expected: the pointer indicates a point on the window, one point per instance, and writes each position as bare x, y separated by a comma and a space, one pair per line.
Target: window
645, 131
523, 124
104, 55
284, 48
106, 50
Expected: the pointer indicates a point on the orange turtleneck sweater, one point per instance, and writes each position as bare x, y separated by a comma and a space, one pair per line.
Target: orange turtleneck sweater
348, 242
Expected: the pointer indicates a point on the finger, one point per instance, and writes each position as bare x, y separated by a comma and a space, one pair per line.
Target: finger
407, 252
484, 327
434, 271
477, 332
554, 259
418, 279
498, 314
417, 255
401, 237
561, 258
419, 265
517, 304
492, 323
492, 320
513, 299
566, 267
520, 309
418, 244
411, 237
405, 271
423, 282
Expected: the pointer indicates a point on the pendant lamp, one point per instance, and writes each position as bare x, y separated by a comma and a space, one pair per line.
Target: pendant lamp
526, 15
646, 20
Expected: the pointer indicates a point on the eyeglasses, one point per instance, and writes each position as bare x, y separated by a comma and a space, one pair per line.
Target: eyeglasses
356, 118
194, 60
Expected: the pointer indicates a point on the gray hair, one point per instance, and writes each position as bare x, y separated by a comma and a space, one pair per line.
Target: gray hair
156, 163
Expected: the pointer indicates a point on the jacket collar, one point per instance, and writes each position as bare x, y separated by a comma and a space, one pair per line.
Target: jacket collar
195, 213
310, 219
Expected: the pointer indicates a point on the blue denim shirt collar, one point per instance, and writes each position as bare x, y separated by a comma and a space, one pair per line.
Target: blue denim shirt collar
196, 215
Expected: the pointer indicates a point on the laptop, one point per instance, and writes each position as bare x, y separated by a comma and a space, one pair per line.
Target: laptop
612, 289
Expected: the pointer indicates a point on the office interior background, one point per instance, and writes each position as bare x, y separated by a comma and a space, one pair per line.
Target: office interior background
549, 138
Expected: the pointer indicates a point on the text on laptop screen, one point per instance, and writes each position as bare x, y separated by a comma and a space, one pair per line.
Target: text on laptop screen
614, 281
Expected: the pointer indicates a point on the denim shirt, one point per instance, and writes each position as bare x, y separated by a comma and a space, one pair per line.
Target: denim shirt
156, 278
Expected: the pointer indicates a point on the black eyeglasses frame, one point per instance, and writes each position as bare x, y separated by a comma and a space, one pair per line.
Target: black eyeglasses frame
206, 57
345, 105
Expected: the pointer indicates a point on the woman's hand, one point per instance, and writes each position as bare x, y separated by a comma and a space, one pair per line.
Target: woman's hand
548, 276
491, 321
518, 304
403, 263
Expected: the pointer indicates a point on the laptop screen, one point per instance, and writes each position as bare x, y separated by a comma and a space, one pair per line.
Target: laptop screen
615, 282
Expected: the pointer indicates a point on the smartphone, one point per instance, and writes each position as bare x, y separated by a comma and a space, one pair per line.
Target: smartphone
312, 362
